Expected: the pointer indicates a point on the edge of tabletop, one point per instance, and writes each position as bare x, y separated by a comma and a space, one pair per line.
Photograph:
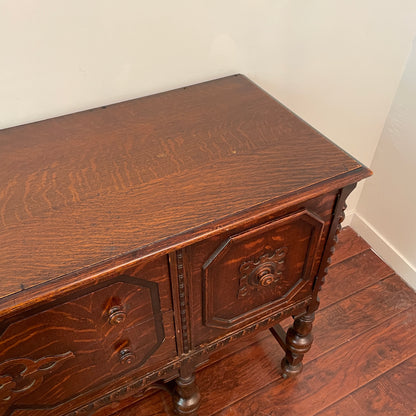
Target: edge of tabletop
60, 286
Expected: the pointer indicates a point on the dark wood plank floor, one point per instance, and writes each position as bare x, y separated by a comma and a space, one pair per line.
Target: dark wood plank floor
362, 362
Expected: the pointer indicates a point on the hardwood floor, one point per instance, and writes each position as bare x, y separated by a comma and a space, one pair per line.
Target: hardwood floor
362, 362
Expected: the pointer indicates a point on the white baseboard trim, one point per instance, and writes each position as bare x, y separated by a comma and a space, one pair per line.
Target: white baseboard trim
348, 218
384, 249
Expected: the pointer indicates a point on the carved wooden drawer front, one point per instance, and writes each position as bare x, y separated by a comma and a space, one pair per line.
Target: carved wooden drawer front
249, 273
59, 352
259, 269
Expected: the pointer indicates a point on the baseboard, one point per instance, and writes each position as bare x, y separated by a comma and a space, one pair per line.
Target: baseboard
348, 218
385, 250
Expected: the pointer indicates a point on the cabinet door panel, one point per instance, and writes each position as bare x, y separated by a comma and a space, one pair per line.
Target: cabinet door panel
123, 324
256, 270
260, 268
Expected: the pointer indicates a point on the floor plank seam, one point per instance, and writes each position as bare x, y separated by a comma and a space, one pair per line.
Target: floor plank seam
319, 357
404, 281
367, 382
350, 257
356, 292
390, 317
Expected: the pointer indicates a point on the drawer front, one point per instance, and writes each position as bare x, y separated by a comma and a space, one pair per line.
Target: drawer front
259, 269
249, 273
121, 325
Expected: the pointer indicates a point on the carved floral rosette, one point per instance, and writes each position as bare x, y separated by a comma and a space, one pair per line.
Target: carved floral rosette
262, 272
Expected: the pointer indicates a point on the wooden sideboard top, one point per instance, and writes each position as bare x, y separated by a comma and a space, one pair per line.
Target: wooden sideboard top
141, 176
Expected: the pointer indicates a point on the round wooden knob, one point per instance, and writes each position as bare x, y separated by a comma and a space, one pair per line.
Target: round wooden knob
265, 276
116, 315
126, 356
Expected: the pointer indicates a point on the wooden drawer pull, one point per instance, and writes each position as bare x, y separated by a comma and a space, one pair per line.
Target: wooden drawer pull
116, 315
126, 356
265, 275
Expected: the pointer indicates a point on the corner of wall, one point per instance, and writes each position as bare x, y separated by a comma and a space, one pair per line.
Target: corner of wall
384, 249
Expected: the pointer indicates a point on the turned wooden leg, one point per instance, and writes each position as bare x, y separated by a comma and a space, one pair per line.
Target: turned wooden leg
298, 342
186, 396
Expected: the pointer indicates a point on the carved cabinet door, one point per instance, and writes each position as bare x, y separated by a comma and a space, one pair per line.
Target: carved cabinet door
250, 273
64, 349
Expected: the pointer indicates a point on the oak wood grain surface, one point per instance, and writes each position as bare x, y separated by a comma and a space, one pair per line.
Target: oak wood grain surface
399, 383
372, 269
390, 394
346, 406
81, 189
362, 360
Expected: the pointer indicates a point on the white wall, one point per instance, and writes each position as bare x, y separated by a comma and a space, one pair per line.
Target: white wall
386, 211
336, 63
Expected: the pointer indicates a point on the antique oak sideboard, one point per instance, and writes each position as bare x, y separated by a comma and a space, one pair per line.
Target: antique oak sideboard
139, 237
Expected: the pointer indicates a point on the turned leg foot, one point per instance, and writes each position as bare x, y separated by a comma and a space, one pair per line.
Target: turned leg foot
298, 342
186, 396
